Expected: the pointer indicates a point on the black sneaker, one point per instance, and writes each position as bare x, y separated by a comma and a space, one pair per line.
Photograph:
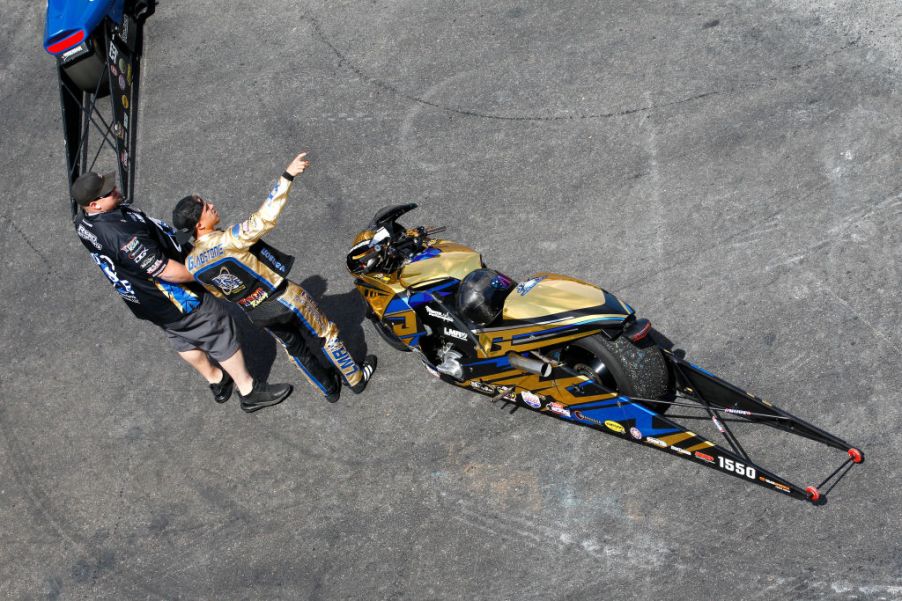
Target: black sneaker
368, 367
222, 391
333, 397
264, 395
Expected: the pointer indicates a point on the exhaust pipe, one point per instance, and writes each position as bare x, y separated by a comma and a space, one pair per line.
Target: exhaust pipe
531, 365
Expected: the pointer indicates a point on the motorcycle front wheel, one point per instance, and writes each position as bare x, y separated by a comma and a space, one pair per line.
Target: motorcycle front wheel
625, 367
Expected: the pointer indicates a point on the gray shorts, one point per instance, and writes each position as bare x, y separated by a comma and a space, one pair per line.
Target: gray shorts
209, 328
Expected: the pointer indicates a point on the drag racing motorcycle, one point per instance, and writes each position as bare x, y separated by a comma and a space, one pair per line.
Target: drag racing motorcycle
98, 45
562, 347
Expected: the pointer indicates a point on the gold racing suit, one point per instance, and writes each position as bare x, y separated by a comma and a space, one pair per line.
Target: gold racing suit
237, 265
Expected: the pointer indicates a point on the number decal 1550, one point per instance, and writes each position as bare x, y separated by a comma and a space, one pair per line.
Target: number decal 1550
740, 469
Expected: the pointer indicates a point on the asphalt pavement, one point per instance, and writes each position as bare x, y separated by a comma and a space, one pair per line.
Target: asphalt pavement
732, 170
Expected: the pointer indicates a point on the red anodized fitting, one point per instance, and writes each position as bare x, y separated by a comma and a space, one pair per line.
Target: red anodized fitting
814, 495
856, 455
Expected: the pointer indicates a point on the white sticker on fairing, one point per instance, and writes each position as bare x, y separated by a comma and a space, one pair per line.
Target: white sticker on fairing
531, 399
455, 334
438, 314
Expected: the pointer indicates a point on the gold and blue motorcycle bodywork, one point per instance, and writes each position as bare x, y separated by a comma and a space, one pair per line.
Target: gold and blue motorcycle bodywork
517, 358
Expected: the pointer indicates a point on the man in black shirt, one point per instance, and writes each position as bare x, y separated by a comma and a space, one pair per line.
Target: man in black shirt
142, 259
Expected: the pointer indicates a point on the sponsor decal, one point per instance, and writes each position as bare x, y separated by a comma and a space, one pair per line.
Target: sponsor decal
121, 80
227, 282
245, 227
124, 102
123, 287
657, 442
129, 74
455, 334
121, 62
147, 261
254, 298
559, 409
273, 261
704, 457
528, 285
114, 53
114, 70
195, 260
636, 433
777, 485
123, 158
614, 426
77, 51
680, 450
155, 266
125, 121
482, 387
272, 193
131, 245
531, 399
119, 131
138, 253
438, 314
85, 234
580, 415
342, 358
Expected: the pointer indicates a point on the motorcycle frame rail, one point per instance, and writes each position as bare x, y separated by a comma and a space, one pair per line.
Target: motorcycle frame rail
718, 399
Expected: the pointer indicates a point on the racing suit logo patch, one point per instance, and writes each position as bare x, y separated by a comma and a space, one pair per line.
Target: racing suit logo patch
227, 282
342, 357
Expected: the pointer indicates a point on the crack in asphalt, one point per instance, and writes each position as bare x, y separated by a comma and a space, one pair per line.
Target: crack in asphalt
344, 60
31, 245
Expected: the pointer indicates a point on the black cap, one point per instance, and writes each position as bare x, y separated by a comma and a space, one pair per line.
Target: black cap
185, 216
91, 186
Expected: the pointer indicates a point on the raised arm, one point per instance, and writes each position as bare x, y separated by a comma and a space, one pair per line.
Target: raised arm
246, 233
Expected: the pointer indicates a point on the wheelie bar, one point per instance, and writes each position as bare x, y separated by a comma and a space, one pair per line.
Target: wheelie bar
634, 420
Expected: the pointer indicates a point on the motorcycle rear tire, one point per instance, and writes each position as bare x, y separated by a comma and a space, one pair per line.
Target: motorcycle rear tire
639, 370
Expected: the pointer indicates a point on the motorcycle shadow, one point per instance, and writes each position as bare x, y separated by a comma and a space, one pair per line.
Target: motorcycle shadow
665, 343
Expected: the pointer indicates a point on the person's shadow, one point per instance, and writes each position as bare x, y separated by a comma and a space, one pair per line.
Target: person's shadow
345, 310
258, 346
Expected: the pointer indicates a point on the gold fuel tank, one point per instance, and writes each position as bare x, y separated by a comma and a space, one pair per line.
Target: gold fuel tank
549, 293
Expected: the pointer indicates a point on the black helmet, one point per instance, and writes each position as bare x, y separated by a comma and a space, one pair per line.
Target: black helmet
480, 297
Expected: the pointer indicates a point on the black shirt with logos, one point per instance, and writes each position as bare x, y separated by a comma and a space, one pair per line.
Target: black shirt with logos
132, 249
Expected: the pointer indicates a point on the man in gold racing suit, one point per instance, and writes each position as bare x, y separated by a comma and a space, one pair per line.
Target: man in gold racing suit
237, 265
